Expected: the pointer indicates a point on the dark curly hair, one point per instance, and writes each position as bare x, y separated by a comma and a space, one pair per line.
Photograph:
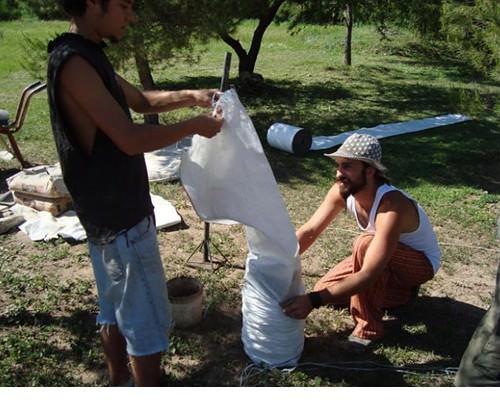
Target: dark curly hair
76, 8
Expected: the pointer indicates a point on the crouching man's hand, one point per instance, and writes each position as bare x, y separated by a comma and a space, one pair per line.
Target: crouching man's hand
297, 307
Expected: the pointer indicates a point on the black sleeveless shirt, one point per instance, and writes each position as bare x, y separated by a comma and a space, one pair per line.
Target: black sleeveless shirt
110, 189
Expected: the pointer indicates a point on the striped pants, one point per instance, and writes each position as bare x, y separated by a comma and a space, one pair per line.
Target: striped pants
406, 269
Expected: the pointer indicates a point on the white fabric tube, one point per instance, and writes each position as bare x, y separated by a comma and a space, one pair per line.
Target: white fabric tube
229, 178
389, 130
289, 138
295, 140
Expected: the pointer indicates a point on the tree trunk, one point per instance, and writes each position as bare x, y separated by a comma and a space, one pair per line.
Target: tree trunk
247, 60
147, 82
348, 35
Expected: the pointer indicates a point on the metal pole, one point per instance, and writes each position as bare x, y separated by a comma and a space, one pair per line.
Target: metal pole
224, 85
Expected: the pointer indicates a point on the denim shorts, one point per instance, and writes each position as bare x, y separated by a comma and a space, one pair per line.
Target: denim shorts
132, 289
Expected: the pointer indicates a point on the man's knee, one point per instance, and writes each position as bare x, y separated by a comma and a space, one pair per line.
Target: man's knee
361, 244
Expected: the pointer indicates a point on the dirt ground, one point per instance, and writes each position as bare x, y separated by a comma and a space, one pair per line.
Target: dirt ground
457, 297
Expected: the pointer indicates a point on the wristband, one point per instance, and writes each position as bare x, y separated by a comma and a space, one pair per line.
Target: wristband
315, 299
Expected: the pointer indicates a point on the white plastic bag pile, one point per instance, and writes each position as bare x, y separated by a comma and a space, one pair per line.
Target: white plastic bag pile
228, 179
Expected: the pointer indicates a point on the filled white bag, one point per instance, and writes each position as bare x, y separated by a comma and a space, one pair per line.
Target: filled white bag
228, 180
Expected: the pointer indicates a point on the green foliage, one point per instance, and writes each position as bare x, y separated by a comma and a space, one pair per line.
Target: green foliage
229, 15
10, 10
422, 16
473, 29
45, 10
35, 51
47, 292
42, 9
320, 12
166, 31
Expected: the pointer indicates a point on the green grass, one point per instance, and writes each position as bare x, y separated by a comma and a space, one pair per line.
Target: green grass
46, 290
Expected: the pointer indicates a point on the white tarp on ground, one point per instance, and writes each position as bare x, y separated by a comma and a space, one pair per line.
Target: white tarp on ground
41, 225
5, 155
299, 141
388, 130
164, 164
228, 178
46, 181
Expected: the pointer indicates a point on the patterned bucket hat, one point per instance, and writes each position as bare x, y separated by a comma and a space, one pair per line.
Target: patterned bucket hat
363, 147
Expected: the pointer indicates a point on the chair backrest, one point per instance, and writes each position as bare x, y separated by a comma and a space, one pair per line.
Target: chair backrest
22, 108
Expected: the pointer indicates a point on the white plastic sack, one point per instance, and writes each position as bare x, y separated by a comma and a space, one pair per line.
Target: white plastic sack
228, 178
44, 180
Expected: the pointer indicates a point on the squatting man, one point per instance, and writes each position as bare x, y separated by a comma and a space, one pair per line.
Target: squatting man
396, 252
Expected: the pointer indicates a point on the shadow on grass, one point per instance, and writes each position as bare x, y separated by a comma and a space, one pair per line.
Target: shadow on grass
448, 326
440, 326
439, 54
463, 154
223, 358
37, 353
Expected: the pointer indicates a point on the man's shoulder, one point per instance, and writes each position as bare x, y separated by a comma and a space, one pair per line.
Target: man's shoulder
69, 44
394, 200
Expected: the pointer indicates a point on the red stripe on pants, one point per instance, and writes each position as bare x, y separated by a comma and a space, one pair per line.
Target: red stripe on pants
406, 269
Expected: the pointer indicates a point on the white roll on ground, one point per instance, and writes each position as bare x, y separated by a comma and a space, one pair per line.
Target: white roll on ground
295, 140
229, 178
289, 138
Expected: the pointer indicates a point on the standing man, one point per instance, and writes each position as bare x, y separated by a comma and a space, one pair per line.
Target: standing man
101, 153
396, 252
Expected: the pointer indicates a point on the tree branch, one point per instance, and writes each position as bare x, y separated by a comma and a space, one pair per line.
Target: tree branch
234, 44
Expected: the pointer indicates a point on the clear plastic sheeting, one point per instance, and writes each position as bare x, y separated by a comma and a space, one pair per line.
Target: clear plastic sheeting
228, 179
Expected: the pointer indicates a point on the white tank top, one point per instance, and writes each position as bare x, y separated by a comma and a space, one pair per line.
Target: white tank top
422, 239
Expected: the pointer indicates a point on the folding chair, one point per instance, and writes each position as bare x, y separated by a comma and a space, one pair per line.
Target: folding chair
9, 128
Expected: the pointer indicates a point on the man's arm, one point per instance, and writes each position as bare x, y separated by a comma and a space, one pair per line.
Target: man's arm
378, 254
157, 101
388, 228
84, 86
332, 204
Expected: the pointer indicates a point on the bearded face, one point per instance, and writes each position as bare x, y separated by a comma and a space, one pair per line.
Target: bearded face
351, 177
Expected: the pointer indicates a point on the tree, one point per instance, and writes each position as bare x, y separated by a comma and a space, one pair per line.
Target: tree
348, 35
473, 29
230, 13
167, 30
327, 12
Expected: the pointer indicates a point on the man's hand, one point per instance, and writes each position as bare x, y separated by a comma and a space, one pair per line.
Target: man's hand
204, 97
297, 307
209, 125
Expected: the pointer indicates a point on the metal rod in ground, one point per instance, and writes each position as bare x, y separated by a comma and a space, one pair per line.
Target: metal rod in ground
224, 83
207, 257
206, 243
